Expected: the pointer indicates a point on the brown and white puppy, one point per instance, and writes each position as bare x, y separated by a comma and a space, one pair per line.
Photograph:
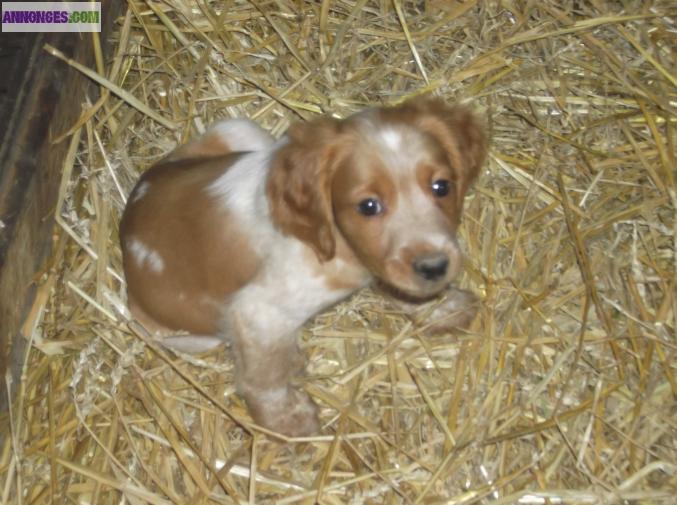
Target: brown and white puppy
238, 237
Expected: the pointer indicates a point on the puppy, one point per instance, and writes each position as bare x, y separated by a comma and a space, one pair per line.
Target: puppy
236, 236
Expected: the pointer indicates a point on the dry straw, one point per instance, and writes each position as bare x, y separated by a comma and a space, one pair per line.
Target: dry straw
563, 390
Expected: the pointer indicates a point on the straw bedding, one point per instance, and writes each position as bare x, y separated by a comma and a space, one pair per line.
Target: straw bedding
562, 391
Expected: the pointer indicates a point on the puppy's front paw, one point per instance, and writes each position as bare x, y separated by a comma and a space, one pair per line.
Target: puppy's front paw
287, 411
302, 418
456, 311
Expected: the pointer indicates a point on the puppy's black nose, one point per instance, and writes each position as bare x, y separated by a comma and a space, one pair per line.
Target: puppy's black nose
431, 266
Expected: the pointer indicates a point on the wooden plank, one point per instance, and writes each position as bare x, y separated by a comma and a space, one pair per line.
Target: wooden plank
40, 98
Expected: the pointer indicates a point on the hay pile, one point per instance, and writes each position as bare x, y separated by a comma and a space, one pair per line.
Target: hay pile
563, 390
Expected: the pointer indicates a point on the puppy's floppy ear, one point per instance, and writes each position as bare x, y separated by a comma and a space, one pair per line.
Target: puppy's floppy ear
299, 184
461, 135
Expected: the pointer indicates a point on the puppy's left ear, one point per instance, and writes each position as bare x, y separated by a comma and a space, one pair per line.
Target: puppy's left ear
299, 184
460, 133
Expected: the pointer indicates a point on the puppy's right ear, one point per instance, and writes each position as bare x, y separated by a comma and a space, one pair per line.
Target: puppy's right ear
299, 184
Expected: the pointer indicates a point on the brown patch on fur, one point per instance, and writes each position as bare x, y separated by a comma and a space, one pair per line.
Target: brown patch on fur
299, 183
185, 226
148, 322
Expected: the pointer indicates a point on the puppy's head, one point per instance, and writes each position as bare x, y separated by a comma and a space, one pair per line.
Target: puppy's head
390, 181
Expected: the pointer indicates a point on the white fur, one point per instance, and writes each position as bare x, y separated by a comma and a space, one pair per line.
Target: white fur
241, 187
192, 344
401, 149
275, 395
242, 191
414, 221
391, 138
144, 256
140, 191
242, 135
285, 294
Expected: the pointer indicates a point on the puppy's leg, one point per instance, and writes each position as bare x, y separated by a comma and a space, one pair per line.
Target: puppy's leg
455, 309
262, 320
264, 370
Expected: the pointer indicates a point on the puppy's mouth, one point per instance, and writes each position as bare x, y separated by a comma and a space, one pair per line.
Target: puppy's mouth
409, 293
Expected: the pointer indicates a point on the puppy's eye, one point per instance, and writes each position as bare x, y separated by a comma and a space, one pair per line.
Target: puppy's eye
441, 187
370, 207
